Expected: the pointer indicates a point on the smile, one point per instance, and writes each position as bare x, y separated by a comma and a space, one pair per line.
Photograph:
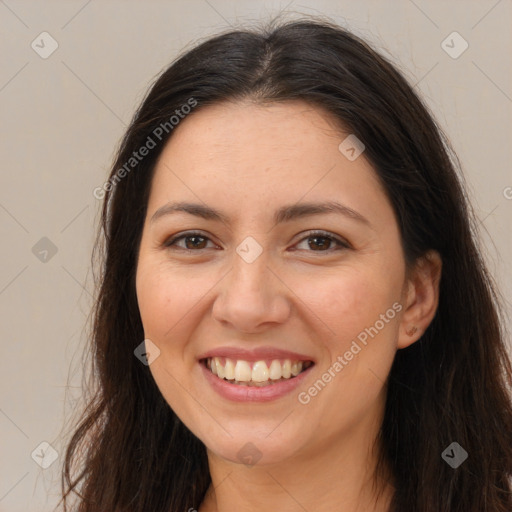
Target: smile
255, 373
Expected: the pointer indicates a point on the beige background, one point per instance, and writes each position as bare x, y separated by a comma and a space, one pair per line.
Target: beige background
62, 118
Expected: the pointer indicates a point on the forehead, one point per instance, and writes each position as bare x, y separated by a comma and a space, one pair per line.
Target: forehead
248, 126
248, 154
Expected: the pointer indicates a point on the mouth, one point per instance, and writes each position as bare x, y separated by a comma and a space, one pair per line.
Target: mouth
261, 373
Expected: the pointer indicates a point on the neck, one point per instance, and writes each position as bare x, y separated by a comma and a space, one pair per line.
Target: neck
337, 473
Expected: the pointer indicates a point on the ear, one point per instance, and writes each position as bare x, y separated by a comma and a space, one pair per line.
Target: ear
420, 297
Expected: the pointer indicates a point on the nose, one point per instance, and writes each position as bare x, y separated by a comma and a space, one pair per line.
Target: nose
251, 297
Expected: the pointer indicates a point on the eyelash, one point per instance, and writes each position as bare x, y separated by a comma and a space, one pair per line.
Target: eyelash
341, 244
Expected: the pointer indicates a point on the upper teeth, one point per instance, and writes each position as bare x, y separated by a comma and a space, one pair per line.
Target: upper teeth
241, 371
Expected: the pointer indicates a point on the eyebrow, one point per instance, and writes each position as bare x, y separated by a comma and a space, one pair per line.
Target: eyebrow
284, 214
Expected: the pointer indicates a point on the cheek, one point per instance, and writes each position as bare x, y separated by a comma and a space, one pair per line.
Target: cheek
351, 300
165, 297
360, 347
155, 299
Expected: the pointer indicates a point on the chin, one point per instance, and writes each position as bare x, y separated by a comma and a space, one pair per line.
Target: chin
256, 449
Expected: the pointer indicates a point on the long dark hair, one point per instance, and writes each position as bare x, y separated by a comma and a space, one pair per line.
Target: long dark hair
452, 385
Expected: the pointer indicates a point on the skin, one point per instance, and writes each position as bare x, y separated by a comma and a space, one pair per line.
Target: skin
247, 160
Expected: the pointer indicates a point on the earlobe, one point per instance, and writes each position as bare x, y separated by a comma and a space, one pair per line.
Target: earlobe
422, 299
412, 331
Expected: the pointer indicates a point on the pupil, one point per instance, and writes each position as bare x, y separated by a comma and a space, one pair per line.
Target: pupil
325, 245
194, 246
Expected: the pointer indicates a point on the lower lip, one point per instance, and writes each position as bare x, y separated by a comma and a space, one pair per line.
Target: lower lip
240, 393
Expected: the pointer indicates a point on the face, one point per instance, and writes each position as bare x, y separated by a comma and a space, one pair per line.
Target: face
262, 288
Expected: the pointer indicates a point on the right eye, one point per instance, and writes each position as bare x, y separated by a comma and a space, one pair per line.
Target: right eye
197, 241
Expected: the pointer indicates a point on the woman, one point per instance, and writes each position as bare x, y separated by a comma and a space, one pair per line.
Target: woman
293, 313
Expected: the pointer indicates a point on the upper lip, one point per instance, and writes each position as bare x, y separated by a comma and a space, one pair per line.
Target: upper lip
255, 354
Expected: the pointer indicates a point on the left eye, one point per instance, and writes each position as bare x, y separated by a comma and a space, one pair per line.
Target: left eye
320, 239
